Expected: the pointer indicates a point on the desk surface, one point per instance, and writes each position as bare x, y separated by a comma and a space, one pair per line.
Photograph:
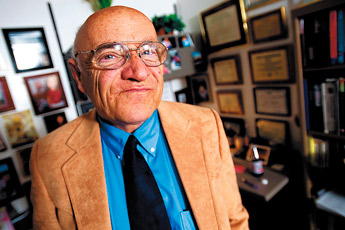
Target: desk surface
275, 181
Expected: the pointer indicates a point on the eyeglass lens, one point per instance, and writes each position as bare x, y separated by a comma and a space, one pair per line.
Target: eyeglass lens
115, 55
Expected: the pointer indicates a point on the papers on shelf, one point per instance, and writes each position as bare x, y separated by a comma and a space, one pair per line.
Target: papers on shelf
332, 202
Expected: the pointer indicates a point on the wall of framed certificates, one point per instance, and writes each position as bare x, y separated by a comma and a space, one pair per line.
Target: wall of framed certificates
252, 67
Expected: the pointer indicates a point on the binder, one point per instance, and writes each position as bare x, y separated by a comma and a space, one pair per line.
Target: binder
341, 105
328, 92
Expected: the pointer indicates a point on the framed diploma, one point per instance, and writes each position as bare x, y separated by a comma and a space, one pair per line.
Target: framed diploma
251, 4
269, 27
272, 65
224, 25
276, 132
272, 101
227, 70
230, 102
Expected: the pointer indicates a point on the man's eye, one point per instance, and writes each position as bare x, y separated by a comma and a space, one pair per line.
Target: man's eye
109, 57
149, 52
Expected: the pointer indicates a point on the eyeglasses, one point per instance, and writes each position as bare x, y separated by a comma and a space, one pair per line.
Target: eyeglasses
114, 55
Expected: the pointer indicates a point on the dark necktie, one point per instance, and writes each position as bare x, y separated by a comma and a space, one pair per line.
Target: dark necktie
145, 204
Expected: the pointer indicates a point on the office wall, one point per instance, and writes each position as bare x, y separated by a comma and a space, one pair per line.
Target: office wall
69, 15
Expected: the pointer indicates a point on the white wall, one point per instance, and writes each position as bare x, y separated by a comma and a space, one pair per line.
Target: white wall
69, 15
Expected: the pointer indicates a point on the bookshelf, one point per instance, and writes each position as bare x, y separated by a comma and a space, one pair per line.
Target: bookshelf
319, 35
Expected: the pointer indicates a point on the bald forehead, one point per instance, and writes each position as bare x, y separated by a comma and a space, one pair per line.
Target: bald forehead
115, 23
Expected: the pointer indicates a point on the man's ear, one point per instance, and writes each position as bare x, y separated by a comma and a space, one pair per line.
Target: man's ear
76, 73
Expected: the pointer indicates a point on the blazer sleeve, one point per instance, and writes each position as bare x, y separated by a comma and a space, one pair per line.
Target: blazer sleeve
44, 216
237, 214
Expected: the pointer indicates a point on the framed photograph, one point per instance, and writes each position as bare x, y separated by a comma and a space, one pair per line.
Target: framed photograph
3, 146
6, 103
84, 107
264, 153
230, 102
20, 129
234, 126
223, 26
55, 121
10, 188
23, 156
200, 88
272, 101
252, 4
268, 27
276, 132
46, 92
28, 49
184, 96
273, 65
227, 70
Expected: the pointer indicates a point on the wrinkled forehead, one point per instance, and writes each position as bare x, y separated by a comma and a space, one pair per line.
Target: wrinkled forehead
114, 25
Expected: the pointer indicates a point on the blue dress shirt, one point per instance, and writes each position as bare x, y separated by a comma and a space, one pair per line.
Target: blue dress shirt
155, 149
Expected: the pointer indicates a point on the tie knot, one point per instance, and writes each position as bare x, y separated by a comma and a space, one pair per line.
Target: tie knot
131, 143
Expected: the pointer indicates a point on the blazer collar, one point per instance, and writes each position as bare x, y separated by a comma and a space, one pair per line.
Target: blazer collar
187, 147
84, 176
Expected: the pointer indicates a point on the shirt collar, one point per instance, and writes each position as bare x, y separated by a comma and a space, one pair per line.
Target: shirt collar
147, 135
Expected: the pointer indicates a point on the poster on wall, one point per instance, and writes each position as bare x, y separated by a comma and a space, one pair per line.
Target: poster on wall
28, 49
46, 92
20, 129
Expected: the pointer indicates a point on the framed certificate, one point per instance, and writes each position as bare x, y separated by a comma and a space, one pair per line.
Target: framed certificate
276, 132
269, 27
252, 4
273, 65
227, 70
272, 101
230, 102
224, 26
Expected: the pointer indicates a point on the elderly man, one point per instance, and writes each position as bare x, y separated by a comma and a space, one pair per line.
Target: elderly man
82, 173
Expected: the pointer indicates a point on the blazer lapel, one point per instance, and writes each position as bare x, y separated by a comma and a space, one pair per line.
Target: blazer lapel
84, 176
188, 154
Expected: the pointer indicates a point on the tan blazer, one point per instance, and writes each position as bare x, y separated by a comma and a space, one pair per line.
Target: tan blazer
68, 183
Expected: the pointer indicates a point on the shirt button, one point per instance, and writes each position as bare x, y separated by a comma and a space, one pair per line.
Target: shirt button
152, 150
118, 157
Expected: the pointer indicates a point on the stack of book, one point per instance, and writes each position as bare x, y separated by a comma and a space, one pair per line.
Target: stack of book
318, 152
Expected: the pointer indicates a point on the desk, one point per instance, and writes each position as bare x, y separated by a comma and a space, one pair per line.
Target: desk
276, 181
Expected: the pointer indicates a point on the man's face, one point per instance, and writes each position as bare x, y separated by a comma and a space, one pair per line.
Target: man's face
127, 96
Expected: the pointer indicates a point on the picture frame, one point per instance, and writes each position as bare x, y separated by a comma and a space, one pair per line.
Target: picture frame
272, 101
230, 102
46, 92
272, 65
184, 96
20, 128
201, 90
264, 153
224, 25
10, 187
268, 27
28, 49
252, 4
55, 121
234, 126
3, 146
23, 156
84, 107
275, 131
227, 70
6, 102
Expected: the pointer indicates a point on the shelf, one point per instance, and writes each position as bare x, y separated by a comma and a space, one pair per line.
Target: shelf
321, 134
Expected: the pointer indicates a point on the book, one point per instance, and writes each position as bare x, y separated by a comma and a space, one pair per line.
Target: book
315, 117
341, 41
333, 36
318, 155
328, 94
333, 202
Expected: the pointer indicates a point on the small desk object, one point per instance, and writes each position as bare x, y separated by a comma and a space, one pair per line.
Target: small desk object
265, 186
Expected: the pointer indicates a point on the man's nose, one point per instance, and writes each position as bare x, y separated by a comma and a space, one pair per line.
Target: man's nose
135, 68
